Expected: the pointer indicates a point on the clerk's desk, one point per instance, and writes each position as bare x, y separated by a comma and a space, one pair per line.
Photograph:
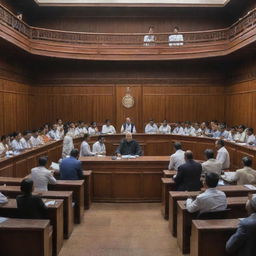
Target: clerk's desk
126, 180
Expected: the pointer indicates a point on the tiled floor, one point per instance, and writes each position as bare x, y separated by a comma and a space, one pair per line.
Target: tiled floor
121, 230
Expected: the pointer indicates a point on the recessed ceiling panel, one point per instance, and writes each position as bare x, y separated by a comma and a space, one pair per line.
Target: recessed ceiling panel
174, 3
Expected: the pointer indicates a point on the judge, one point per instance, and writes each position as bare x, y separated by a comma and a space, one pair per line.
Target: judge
128, 126
128, 146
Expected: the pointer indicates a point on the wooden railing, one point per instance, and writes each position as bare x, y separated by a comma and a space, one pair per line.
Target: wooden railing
111, 45
124, 38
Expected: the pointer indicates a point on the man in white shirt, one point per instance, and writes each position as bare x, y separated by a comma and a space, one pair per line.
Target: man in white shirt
16, 144
232, 134
240, 136
222, 155
54, 133
211, 200
85, 149
211, 165
151, 127
149, 39
250, 138
35, 139
189, 130
99, 147
25, 141
68, 144
223, 132
107, 128
165, 128
178, 158
128, 126
41, 176
176, 39
93, 129
178, 130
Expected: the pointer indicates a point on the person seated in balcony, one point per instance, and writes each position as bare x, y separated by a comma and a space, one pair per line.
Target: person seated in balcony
189, 129
149, 39
211, 200
241, 134
242, 242
151, 127
4, 148
107, 128
16, 144
54, 133
211, 165
165, 128
128, 126
232, 134
176, 39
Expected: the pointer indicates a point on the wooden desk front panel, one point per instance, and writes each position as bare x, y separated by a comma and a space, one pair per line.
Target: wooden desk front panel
126, 180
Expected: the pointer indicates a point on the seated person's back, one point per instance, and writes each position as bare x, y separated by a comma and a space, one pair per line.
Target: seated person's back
211, 165
41, 176
211, 200
243, 242
30, 206
189, 174
70, 167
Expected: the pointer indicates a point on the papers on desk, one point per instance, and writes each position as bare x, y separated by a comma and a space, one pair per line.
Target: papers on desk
241, 144
100, 155
50, 203
228, 176
129, 156
221, 183
55, 166
250, 187
2, 219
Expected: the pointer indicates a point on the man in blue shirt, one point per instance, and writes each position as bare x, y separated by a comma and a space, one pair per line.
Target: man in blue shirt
71, 168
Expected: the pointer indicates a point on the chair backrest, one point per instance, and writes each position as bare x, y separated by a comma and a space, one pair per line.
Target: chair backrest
213, 215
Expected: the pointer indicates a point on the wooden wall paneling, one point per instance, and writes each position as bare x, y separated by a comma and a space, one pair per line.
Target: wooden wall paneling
21, 168
10, 112
32, 162
2, 126
135, 113
7, 171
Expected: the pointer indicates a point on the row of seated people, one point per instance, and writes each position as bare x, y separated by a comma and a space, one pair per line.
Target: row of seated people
16, 142
174, 39
212, 203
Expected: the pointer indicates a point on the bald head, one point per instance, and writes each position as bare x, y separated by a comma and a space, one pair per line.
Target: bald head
188, 155
128, 136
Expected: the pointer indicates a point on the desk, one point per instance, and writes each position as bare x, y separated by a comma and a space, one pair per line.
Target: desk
54, 214
77, 187
68, 220
174, 196
126, 180
168, 184
169, 173
21, 237
204, 232
184, 219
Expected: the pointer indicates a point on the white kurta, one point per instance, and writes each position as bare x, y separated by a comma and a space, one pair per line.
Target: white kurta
176, 38
151, 129
223, 157
85, 149
177, 159
68, 145
108, 129
178, 131
165, 129
99, 148
149, 40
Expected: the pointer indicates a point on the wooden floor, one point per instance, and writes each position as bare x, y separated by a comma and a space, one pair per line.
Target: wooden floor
122, 230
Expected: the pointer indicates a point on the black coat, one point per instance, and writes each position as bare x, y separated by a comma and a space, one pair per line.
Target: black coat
188, 176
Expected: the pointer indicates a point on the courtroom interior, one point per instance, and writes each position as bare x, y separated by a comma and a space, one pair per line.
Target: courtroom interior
127, 127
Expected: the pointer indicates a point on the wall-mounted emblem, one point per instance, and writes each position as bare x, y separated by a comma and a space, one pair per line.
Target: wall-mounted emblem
128, 100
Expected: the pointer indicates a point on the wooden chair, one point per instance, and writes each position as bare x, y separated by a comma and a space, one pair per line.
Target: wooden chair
216, 215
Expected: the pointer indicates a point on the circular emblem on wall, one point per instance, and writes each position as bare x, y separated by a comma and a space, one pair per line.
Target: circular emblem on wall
128, 101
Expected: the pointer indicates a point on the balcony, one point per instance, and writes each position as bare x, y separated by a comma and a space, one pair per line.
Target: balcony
126, 46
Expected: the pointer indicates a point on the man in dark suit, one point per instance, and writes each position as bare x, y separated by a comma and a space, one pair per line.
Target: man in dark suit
71, 167
243, 242
189, 174
30, 206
